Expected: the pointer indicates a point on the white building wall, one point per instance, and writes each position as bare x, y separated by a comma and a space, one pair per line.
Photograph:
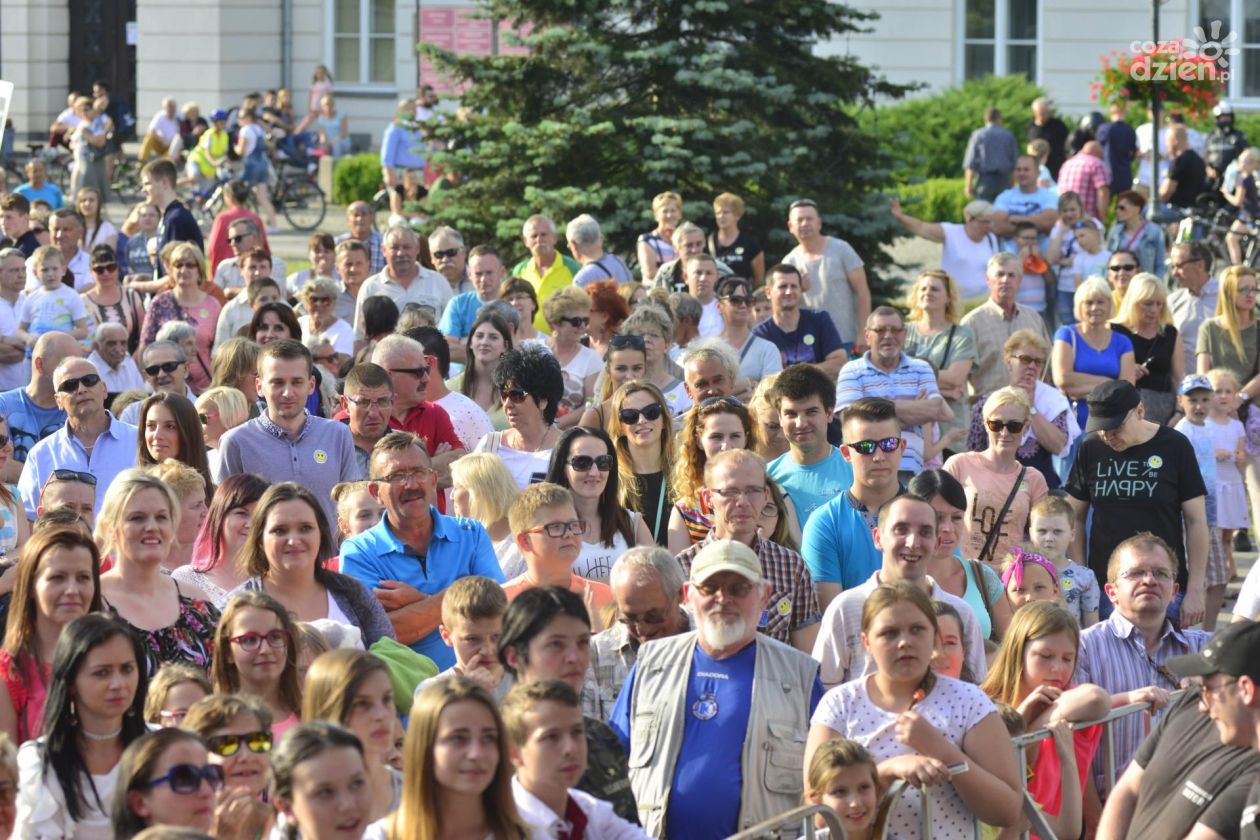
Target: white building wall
34, 55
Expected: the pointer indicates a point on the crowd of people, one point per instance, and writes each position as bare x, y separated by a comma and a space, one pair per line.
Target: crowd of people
425, 541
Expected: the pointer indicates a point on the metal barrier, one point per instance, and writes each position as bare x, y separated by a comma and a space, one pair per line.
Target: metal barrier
791, 822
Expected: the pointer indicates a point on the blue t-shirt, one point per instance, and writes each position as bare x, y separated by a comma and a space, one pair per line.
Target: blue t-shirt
814, 338
459, 314
28, 423
1018, 203
708, 775
837, 544
1105, 362
812, 485
50, 192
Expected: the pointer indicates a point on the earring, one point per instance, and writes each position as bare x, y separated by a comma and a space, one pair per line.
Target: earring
73, 719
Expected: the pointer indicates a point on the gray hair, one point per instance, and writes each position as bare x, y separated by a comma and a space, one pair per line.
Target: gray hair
164, 344
446, 232
396, 231
245, 223
176, 331
977, 209
583, 231
314, 341
394, 345
537, 217
106, 327
649, 316
648, 564
327, 285
12, 252
504, 310
685, 307
681, 232
713, 347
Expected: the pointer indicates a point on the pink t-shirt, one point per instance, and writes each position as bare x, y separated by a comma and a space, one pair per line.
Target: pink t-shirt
986, 493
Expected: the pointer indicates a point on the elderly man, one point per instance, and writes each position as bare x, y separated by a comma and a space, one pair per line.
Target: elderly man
722, 711
688, 240
92, 440
546, 269
905, 536
1194, 299
836, 278
37, 187
1086, 175
886, 371
1126, 654
110, 356
415, 553
647, 586
1137, 477
803, 336
586, 244
33, 412
70, 489
366, 405
996, 319
710, 369
165, 368
686, 312
163, 138
450, 258
243, 237
548, 534
735, 490
361, 220
12, 349
403, 280
470, 421
989, 158
65, 228
485, 268
1046, 126
1192, 774
15, 224
408, 366
286, 443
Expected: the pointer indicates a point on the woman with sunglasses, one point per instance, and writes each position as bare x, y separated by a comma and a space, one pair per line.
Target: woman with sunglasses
94, 711
568, 313
488, 339
170, 427
219, 409
624, 359
289, 542
639, 425
1144, 317
1132, 233
136, 526
236, 729
524, 299
530, 385
165, 779
109, 301
352, 688
609, 307
995, 481
320, 783
255, 654
319, 297
187, 301
758, 358
14, 526
1122, 267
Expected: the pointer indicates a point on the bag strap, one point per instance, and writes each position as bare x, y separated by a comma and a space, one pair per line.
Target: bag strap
949, 342
991, 541
977, 569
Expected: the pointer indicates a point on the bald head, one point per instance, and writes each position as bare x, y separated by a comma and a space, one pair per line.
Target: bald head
49, 352
1093, 148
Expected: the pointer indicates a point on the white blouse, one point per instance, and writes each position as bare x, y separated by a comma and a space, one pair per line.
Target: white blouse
41, 803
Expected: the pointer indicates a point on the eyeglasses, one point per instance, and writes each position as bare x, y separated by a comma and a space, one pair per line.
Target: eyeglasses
229, 745
446, 254
648, 619
556, 530
583, 463
734, 494
1217, 690
187, 778
883, 331
867, 447
1012, 426
319, 300
731, 401
88, 380
1123, 267
417, 372
252, 641
104, 268
515, 396
239, 238
73, 475
1035, 361
577, 322
738, 300
204, 416
1136, 575
380, 403
770, 508
1245, 290
621, 342
740, 589
416, 476
164, 367
630, 416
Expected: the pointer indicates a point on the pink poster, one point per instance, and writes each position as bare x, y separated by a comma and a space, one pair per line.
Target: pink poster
458, 30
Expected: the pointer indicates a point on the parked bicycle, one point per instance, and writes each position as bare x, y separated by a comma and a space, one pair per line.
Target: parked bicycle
297, 195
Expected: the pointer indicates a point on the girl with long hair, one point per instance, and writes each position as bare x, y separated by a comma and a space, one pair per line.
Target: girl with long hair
483, 489
1229, 340
165, 779
624, 360
952, 723
488, 339
934, 332
215, 566
169, 427
255, 654
15, 528
319, 783
639, 426
843, 776
272, 322
97, 229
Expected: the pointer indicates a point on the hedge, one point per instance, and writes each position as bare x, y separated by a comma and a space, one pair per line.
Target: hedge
356, 178
934, 200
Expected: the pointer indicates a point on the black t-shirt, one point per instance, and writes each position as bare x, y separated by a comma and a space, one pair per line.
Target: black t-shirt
1189, 776
1249, 825
1190, 173
1139, 489
739, 255
1055, 133
177, 225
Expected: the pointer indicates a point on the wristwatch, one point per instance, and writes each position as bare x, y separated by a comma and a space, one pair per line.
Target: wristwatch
1032, 412
1244, 397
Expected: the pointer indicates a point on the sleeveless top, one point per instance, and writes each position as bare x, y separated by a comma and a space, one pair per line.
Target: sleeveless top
129, 311
27, 684
660, 246
190, 639
699, 520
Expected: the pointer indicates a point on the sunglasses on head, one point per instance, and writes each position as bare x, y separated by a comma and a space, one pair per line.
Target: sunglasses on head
89, 380
102, 268
630, 416
802, 202
187, 778
229, 745
621, 342
1012, 426
583, 463
867, 447
731, 401
73, 475
445, 254
516, 396
164, 367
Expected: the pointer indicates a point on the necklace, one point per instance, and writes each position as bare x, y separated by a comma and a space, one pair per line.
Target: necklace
108, 736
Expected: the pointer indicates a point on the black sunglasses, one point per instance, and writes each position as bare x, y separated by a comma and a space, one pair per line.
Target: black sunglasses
164, 367
577, 322
101, 268
738, 300
445, 254
630, 416
239, 238
4, 441
621, 342
89, 380
73, 475
1012, 426
583, 463
417, 372
867, 447
1122, 267
187, 778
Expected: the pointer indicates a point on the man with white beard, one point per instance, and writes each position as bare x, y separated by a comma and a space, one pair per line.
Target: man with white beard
697, 705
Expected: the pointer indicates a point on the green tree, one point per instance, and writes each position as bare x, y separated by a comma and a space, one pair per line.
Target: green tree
617, 100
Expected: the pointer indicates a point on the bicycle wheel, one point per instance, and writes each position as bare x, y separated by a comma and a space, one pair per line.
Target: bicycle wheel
303, 203
59, 174
127, 183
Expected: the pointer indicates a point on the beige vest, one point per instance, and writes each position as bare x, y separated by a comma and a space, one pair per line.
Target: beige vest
774, 746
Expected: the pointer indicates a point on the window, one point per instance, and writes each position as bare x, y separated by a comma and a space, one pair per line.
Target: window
1239, 46
1000, 38
363, 42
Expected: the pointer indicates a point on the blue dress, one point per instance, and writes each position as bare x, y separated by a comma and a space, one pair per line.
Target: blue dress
1105, 362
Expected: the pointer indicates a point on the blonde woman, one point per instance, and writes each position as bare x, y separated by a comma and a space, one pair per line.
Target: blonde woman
1229, 340
640, 427
219, 409
1089, 353
568, 314
235, 365
740, 251
770, 441
190, 489
934, 334
483, 489
189, 302
1159, 361
656, 247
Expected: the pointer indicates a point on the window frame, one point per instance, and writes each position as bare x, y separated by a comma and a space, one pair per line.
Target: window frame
1001, 41
1237, 63
365, 36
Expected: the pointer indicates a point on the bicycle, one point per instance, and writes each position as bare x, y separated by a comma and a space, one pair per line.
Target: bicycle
297, 196
126, 182
208, 203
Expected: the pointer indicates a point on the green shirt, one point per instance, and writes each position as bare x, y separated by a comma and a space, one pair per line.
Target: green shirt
1215, 341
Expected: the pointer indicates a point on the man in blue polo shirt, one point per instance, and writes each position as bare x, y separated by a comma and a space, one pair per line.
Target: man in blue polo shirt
812, 471
415, 553
803, 336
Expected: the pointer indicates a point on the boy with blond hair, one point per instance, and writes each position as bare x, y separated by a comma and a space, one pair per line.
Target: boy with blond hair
472, 620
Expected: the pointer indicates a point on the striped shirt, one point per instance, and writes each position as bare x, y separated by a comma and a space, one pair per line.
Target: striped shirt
861, 378
793, 604
1113, 656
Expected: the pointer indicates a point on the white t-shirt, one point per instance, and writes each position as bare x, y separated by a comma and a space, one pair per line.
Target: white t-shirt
166, 128
340, 335
13, 375
253, 135
1086, 265
574, 372
711, 321
759, 358
967, 261
525, 467
469, 419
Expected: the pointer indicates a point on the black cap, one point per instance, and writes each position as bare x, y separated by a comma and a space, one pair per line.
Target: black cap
1234, 651
1109, 403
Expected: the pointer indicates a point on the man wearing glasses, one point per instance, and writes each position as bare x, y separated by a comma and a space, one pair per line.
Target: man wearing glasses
450, 258
366, 406
33, 411
1194, 299
165, 368
835, 277
548, 533
243, 237
91, 441
413, 555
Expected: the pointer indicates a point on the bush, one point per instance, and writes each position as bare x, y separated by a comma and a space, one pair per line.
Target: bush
935, 200
356, 178
929, 134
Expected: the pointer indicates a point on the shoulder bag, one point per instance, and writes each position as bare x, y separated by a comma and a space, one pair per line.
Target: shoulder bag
990, 541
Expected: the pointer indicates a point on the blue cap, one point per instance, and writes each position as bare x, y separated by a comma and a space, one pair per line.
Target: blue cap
218, 114
1194, 382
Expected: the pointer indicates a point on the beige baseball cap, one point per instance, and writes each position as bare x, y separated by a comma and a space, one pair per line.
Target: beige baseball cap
725, 556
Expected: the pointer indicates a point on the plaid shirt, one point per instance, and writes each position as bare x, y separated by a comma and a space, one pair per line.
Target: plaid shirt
612, 653
992, 329
1083, 174
793, 604
375, 244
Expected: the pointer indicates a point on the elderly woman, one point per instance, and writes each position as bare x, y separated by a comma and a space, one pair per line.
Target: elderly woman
1052, 427
995, 480
933, 333
655, 326
188, 302
741, 253
530, 386
1089, 353
1159, 362
524, 299
318, 297
568, 312
1132, 232
967, 247
656, 246
608, 309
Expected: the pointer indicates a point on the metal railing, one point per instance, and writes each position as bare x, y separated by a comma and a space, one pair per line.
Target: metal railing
799, 822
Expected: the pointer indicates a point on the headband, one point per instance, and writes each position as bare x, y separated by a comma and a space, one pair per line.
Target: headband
1016, 569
